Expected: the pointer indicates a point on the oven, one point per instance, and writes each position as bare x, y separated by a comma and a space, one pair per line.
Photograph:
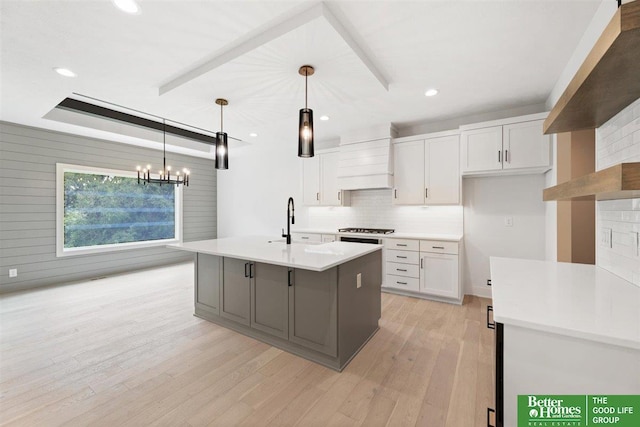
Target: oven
370, 240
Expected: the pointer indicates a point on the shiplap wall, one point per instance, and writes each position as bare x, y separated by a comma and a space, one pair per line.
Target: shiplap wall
28, 158
618, 141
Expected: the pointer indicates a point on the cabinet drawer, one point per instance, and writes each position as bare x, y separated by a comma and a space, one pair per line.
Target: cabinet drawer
404, 257
307, 237
402, 244
406, 283
406, 270
438, 247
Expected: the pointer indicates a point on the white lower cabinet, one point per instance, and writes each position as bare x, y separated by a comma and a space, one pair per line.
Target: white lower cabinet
439, 274
424, 268
440, 269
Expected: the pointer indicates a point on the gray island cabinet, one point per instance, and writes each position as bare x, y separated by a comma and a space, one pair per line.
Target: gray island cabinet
321, 302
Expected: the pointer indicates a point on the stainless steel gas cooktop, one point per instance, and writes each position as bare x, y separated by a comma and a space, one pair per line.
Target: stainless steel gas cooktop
366, 230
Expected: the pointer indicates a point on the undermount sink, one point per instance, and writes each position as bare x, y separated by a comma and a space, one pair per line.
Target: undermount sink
294, 242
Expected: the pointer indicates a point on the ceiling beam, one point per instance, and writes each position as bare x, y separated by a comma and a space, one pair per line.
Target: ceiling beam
270, 31
252, 40
358, 48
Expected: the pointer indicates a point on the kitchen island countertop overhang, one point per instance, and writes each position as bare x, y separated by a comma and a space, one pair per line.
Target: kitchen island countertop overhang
314, 257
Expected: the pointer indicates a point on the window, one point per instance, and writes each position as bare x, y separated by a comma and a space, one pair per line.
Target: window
100, 210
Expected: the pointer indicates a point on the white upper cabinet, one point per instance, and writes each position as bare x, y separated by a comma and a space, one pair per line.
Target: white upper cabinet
525, 146
320, 181
509, 146
482, 149
408, 166
442, 171
426, 171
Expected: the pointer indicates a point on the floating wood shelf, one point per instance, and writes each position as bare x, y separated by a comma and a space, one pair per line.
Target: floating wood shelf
621, 181
608, 80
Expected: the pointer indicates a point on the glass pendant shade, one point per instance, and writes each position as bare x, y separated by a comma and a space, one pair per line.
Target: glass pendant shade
305, 137
222, 156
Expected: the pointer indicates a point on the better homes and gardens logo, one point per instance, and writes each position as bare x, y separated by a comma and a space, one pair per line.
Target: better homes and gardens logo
578, 410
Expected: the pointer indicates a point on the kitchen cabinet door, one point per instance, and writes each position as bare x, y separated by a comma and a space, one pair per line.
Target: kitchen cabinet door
313, 310
525, 146
236, 290
208, 279
270, 299
439, 275
481, 149
442, 170
408, 173
311, 181
330, 193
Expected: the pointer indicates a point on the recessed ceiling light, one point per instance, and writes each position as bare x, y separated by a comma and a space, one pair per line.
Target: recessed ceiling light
324, 118
128, 6
253, 134
431, 92
64, 72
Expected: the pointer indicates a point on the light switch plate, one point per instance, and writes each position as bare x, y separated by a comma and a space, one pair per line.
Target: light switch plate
13, 272
605, 237
359, 280
508, 221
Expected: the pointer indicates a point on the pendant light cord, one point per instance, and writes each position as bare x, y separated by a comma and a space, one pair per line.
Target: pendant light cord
221, 122
164, 147
306, 77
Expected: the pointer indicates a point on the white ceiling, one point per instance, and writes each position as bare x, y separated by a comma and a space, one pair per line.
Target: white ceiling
482, 55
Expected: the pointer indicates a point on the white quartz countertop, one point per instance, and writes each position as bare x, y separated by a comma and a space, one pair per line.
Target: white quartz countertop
307, 256
395, 235
577, 300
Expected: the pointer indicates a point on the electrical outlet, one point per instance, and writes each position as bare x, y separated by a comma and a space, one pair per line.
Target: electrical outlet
13, 272
359, 280
508, 221
605, 237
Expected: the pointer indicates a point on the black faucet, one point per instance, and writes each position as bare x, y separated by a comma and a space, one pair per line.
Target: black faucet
290, 214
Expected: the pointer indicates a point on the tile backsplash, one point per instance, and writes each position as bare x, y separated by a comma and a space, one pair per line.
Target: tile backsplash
618, 221
373, 209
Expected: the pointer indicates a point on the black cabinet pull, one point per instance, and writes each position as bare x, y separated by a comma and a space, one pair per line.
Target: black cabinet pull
437, 247
488, 282
499, 156
304, 237
506, 156
399, 269
490, 325
289, 277
395, 193
400, 244
421, 262
338, 196
426, 193
250, 270
401, 283
489, 411
403, 257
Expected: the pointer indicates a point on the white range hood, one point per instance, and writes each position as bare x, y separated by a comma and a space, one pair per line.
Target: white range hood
366, 159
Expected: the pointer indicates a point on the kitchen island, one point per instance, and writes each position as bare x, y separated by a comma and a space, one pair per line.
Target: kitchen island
562, 329
318, 301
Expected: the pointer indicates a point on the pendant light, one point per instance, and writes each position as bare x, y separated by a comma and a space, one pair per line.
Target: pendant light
222, 155
164, 175
305, 126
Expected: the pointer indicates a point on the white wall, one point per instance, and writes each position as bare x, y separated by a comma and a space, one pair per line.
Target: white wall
253, 192
618, 141
487, 201
599, 21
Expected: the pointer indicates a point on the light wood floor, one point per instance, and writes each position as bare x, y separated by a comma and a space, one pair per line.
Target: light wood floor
127, 351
